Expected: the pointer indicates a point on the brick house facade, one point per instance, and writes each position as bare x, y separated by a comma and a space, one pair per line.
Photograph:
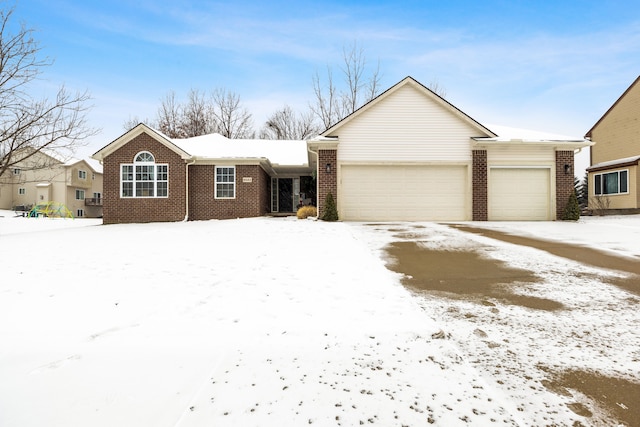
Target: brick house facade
195, 188
327, 177
564, 180
123, 210
252, 195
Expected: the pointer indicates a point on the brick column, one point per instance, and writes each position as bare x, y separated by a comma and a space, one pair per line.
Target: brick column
564, 180
479, 186
327, 182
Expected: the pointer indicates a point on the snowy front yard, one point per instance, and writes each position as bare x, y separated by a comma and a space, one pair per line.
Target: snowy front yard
284, 322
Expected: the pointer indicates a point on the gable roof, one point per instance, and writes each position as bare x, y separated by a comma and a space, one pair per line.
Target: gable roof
410, 81
93, 164
134, 132
635, 82
218, 147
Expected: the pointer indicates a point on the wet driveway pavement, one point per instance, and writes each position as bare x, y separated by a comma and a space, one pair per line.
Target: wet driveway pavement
551, 317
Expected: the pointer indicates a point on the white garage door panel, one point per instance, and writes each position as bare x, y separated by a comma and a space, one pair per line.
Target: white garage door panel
519, 194
392, 193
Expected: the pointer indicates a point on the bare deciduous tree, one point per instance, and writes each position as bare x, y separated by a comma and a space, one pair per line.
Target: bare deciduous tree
230, 118
169, 116
437, 88
333, 104
195, 119
286, 124
29, 125
222, 112
326, 107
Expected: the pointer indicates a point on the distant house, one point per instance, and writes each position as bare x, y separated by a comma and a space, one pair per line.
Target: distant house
614, 181
406, 155
44, 178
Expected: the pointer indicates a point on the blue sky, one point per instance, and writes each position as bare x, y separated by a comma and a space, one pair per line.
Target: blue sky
552, 66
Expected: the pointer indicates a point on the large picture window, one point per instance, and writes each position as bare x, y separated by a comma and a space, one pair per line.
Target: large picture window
144, 178
611, 183
225, 182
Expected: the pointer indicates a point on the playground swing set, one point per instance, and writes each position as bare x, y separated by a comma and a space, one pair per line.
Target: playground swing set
47, 210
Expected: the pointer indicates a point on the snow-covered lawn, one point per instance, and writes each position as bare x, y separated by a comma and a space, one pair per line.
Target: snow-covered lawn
285, 322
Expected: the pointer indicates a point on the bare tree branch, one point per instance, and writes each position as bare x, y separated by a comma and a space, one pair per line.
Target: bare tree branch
229, 117
285, 124
195, 119
169, 116
332, 104
28, 125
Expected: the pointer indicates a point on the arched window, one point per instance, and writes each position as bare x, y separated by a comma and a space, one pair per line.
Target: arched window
144, 157
144, 177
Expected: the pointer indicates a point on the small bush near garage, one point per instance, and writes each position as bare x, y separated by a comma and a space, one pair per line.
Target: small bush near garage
307, 211
572, 211
330, 212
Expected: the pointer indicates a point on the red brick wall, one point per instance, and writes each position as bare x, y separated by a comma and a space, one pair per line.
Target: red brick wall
124, 210
327, 182
252, 198
479, 186
564, 181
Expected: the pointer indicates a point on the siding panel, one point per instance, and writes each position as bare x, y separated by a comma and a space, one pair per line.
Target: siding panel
407, 127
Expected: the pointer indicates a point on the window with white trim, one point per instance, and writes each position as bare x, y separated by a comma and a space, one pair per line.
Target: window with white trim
611, 183
17, 171
82, 174
80, 213
225, 182
79, 194
22, 191
144, 177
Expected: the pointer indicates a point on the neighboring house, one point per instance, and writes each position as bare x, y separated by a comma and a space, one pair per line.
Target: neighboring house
406, 155
614, 181
44, 178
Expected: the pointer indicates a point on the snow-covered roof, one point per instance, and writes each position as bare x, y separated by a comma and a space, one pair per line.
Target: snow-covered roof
93, 164
506, 134
615, 163
216, 146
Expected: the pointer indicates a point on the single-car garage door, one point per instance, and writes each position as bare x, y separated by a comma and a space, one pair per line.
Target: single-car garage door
402, 193
519, 194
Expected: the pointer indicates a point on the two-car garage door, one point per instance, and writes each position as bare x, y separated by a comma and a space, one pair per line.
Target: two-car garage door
403, 193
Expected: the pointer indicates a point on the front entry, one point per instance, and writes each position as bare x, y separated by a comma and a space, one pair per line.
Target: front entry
285, 194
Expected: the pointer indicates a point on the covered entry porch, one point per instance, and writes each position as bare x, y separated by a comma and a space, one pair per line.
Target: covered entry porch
289, 193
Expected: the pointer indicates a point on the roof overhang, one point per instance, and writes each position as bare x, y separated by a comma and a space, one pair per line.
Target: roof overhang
135, 132
323, 143
614, 164
559, 145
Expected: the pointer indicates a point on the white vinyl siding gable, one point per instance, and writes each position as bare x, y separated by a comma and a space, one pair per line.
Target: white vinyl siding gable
406, 126
521, 155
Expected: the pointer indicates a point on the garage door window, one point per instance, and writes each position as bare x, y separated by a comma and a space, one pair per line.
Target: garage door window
611, 183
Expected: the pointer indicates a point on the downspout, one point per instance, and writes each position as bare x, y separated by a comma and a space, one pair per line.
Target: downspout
186, 192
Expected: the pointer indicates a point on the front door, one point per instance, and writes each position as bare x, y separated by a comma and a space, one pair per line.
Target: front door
285, 195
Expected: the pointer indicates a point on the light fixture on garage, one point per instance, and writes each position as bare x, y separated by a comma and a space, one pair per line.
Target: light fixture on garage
328, 168
566, 169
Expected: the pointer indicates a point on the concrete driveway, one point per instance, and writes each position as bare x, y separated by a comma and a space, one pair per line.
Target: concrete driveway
530, 312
